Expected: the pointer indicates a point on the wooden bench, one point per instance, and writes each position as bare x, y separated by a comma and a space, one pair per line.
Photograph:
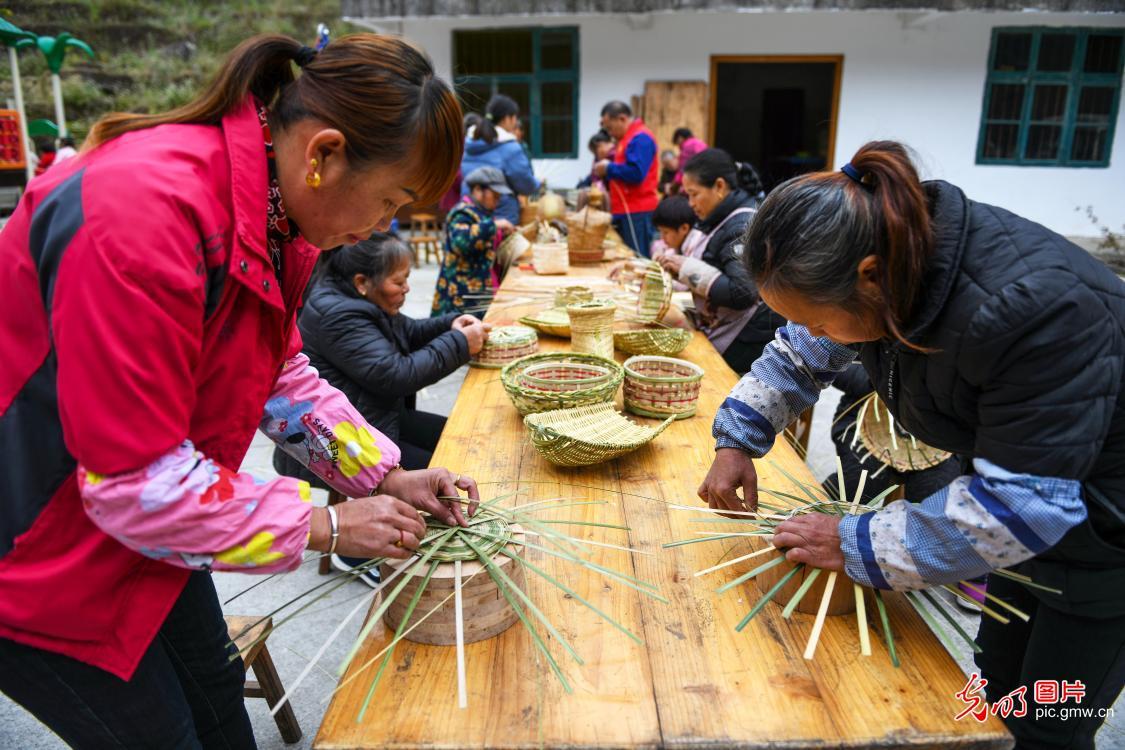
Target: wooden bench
243, 632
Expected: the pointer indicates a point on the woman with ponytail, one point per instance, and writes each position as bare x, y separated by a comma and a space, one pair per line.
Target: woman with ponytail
724, 195
493, 143
151, 288
988, 336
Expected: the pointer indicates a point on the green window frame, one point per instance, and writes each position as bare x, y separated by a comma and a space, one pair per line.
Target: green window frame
1051, 96
547, 90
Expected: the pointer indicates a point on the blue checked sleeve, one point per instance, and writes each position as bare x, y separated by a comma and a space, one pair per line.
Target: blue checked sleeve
992, 519
787, 379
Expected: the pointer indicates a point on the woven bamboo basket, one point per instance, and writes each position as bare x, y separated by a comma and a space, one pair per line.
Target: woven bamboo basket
560, 380
655, 296
529, 213
662, 387
568, 295
550, 258
587, 435
553, 321
904, 453
591, 327
660, 341
511, 249
506, 344
586, 232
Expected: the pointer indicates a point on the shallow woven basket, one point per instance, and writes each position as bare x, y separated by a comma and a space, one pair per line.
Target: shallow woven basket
511, 249
550, 258
661, 341
553, 321
560, 380
655, 296
506, 344
904, 454
662, 386
568, 295
591, 327
586, 232
587, 435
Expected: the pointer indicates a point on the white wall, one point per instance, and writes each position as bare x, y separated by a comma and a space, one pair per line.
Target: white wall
907, 76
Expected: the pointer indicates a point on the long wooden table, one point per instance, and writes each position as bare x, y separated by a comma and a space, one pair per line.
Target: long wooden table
695, 682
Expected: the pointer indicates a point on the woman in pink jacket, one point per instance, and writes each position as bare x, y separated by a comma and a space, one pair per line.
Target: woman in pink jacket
147, 324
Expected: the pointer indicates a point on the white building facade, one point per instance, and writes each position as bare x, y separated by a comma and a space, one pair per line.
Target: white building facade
1020, 109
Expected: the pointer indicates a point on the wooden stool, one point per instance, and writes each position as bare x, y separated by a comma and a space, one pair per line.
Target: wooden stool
268, 684
325, 566
424, 238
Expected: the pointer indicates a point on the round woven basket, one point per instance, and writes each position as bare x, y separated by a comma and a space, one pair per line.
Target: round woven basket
904, 453
550, 258
568, 295
587, 435
591, 327
662, 387
586, 231
506, 344
560, 380
661, 341
553, 322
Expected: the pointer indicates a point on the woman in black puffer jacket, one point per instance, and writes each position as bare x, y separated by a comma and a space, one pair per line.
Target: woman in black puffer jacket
358, 341
986, 335
724, 195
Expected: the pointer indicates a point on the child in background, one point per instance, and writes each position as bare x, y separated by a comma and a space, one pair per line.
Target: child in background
673, 219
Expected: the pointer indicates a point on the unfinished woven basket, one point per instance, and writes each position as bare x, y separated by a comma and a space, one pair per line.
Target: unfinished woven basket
506, 344
662, 387
655, 296
553, 321
568, 295
904, 453
586, 232
560, 380
511, 249
550, 258
591, 327
587, 435
661, 341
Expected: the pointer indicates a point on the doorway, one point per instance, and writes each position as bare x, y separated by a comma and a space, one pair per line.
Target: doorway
777, 112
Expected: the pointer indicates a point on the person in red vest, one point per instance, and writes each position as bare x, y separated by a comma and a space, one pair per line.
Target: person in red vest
632, 176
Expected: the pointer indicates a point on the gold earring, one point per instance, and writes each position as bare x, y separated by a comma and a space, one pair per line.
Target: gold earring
312, 179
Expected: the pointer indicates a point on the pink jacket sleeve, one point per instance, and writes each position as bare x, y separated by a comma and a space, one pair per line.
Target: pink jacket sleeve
317, 425
189, 511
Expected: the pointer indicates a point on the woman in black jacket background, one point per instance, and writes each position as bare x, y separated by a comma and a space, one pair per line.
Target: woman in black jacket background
356, 338
724, 195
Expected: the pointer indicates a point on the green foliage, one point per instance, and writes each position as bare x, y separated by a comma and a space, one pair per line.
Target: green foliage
151, 56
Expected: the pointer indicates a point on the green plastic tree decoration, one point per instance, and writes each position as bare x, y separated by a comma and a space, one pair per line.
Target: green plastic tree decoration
54, 49
14, 37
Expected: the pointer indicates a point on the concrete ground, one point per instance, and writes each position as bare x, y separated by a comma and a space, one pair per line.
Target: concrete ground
293, 646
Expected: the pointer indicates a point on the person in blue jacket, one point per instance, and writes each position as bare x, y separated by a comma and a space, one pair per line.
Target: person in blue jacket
492, 143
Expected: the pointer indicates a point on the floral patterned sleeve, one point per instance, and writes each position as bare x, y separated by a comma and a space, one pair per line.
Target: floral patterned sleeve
317, 425
189, 511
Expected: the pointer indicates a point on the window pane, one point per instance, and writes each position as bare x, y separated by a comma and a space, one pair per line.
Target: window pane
557, 99
1012, 51
1043, 142
558, 136
1089, 144
556, 50
1000, 141
1095, 104
1056, 52
1006, 102
1103, 53
1049, 104
504, 51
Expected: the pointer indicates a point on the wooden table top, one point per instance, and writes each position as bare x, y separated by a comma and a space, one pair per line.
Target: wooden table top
696, 681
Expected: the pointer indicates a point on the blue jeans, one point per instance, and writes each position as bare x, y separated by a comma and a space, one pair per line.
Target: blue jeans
637, 231
186, 692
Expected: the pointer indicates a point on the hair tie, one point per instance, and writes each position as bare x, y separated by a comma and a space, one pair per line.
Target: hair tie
488, 117
304, 56
856, 175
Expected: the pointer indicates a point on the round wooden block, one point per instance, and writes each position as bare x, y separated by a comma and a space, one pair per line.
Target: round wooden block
486, 612
841, 603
